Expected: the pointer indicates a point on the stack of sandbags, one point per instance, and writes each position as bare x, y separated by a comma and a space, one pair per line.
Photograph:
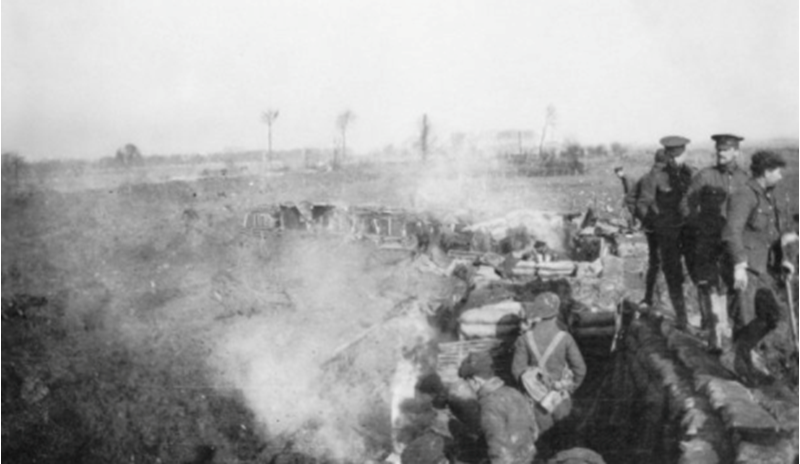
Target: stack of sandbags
550, 269
593, 324
452, 354
497, 320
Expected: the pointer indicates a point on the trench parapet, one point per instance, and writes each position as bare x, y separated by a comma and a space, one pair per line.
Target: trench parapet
669, 401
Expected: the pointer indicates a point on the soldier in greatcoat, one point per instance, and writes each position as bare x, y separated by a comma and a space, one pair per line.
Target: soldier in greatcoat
756, 233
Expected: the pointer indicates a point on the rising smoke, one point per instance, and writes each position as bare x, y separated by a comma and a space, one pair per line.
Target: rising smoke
320, 375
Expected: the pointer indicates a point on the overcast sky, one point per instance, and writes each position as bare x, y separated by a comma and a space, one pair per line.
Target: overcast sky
82, 77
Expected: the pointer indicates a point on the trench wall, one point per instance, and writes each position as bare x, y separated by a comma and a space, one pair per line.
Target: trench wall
665, 400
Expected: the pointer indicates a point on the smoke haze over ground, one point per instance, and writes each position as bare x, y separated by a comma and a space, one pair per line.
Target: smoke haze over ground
284, 362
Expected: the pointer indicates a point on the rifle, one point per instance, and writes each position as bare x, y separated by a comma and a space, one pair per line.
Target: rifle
787, 281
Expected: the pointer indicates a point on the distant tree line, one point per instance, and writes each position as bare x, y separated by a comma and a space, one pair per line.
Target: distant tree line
568, 160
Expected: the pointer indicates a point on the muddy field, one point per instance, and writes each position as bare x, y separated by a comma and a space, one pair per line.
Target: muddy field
142, 323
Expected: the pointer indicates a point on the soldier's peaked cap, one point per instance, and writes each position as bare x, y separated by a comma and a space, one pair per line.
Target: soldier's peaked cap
674, 141
727, 140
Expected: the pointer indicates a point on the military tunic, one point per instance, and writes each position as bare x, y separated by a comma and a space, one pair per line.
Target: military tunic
752, 234
508, 423
705, 206
566, 354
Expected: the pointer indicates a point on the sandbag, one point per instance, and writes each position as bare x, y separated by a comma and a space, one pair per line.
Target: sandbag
564, 265
594, 319
606, 331
470, 331
492, 313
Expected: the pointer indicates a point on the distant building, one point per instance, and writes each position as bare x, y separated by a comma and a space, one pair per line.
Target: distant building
494, 143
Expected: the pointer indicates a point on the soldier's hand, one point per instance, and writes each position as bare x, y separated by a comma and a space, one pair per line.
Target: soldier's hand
740, 276
787, 268
788, 238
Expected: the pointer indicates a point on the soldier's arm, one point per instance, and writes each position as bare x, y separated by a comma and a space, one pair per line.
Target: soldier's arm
740, 206
647, 194
521, 359
575, 362
787, 225
626, 184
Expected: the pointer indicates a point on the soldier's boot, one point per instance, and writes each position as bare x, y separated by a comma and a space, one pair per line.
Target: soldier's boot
721, 329
706, 316
679, 306
650, 286
746, 340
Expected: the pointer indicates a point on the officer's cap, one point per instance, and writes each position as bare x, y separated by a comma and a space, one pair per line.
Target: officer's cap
478, 364
544, 306
766, 160
674, 141
725, 141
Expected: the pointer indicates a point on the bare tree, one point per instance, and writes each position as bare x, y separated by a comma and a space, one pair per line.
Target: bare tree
129, 155
14, 168
342, 122
618, 150
424, 137
550, 120
268, 117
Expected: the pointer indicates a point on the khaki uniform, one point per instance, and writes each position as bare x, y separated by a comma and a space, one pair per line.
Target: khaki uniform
659, 203
752, 234
508, 423
566, 354
706, 206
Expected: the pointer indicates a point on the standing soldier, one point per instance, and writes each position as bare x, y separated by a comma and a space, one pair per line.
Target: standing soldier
706, 206
642, 213
660, 204
755, 234
619, 171
627, 187
542, 348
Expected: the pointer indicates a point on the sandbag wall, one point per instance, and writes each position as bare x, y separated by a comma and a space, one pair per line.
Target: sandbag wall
667, 401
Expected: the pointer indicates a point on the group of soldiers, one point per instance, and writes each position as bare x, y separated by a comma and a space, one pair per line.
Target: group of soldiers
725, 227
546, 369
731, 233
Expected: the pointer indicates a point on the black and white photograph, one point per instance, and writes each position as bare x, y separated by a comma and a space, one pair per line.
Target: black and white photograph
385, 232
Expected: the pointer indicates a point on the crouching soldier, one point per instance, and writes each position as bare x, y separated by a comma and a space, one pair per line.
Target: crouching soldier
547, 361
506, 416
